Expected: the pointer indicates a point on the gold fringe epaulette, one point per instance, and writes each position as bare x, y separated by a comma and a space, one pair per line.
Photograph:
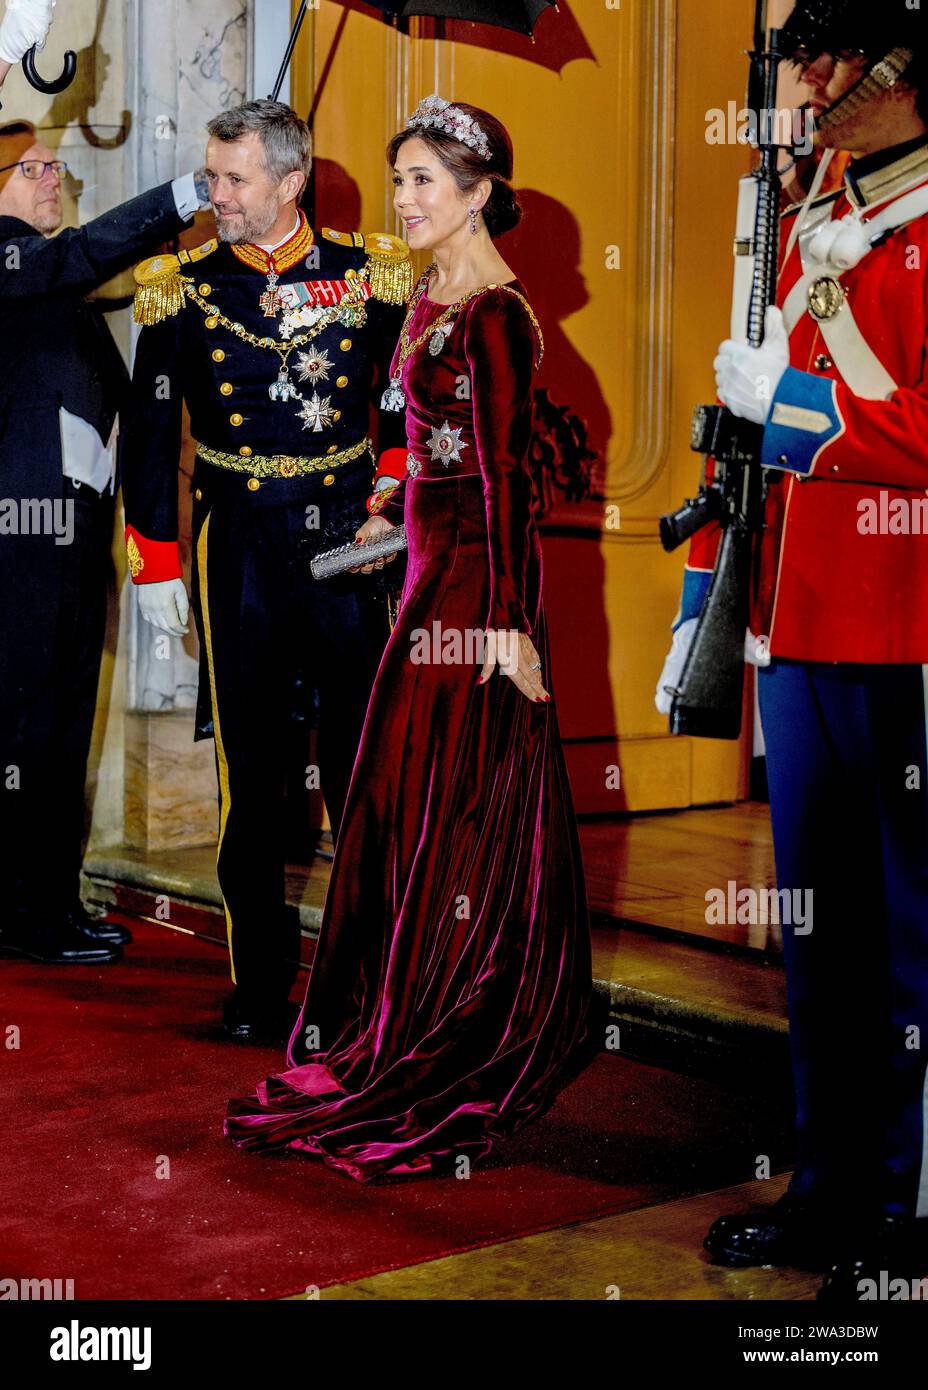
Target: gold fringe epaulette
391, 267
389, 264
390, 273
160, 284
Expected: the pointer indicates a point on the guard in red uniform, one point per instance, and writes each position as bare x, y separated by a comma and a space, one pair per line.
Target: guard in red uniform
841, 620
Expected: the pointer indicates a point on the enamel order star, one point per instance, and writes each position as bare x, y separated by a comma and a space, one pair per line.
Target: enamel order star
446, 444
314, 365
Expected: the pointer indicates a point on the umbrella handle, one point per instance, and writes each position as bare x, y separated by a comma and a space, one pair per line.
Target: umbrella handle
56, 84
295, 33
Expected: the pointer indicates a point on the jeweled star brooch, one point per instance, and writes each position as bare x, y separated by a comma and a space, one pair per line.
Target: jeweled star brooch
314, 365
446, 444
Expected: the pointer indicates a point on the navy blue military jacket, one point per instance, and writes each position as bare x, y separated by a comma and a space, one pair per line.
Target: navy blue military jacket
300, 384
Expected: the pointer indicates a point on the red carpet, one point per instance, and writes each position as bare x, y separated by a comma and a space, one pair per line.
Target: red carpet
113, 1082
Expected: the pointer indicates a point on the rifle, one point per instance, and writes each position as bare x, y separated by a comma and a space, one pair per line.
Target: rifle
708, 701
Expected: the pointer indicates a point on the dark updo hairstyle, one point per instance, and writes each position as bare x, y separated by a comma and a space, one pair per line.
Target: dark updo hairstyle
502, 210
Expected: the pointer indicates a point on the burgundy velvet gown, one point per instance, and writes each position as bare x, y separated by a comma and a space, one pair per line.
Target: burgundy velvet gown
449, 996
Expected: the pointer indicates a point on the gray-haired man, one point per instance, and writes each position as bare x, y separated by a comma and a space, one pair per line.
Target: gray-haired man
275, 337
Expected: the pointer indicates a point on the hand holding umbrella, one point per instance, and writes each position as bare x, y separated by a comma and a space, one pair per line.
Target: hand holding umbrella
23, 31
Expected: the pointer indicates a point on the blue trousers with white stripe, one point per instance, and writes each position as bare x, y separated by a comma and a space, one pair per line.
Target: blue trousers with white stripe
848, 773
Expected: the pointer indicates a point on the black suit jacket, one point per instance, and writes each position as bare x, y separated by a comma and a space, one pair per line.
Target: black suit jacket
55, 350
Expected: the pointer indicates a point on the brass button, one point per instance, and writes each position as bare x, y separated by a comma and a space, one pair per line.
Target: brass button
342, 381
328, 480
226, 388
219, 355
198, 495
253, 484
351, 274
235, 419
245, 452
345, 344
336, 414
212, 321
206, 290
332, 449
823, 363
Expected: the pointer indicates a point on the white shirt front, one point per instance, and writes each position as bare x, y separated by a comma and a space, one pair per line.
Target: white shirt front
84, 456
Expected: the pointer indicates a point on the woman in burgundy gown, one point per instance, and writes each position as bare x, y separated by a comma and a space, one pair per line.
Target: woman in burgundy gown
448, 1000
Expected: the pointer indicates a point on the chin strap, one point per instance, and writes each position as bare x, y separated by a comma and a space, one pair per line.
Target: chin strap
882, 77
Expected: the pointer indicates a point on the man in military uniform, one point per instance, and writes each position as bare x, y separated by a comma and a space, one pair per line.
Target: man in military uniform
842, 606
278, 339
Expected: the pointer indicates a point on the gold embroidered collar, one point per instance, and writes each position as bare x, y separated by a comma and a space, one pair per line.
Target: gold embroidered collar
293, 250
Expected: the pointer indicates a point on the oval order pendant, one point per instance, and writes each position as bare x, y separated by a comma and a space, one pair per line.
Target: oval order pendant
437, 341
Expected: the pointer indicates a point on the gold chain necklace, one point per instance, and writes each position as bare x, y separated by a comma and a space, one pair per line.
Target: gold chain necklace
394, 398
315, 411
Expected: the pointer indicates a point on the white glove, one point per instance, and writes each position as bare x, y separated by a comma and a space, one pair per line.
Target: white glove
165, 605
26, 23
747, 377
673, 666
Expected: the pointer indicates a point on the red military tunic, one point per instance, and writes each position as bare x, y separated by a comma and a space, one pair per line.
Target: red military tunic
844, 554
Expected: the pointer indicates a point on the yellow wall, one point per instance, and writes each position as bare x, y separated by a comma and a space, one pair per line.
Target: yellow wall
626, 250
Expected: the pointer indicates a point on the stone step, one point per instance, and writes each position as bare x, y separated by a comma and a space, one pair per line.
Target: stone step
682, 1002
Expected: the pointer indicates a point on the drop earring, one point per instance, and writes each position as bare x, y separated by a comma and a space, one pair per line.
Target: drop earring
473, 221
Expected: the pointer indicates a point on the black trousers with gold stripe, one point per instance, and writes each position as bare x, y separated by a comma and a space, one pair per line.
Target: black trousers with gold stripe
263, 619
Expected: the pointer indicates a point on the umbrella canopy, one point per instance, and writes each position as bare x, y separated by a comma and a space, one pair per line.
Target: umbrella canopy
557, 42
520, 15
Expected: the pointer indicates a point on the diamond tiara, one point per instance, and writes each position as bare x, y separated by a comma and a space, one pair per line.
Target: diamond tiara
436, 112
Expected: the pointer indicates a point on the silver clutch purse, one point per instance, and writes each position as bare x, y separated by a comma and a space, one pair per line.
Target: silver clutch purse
346, 557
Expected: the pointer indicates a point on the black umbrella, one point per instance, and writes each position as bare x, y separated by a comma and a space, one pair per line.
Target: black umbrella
521, 16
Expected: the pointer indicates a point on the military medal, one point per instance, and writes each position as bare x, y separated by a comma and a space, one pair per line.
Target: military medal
394, 398
283, 389
438, 340
272, 300
315, 413
314, 365
446, 444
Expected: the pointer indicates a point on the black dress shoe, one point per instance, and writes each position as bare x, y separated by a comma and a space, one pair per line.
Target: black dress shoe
98, 928
793, 1231
62, 944
258, 1026
889, 1264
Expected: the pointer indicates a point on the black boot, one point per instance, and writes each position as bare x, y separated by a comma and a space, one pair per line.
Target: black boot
793, 1231
55, 943
887, 1263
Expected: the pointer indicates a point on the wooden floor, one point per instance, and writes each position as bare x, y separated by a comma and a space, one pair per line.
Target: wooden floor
656, 870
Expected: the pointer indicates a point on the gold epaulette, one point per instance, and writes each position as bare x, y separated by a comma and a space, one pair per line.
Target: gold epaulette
389, 265
160, 292
390, 273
